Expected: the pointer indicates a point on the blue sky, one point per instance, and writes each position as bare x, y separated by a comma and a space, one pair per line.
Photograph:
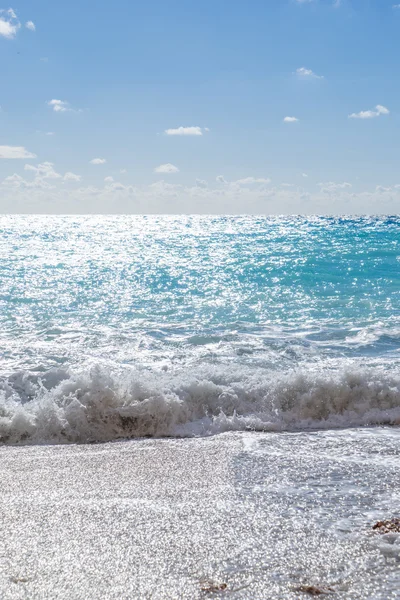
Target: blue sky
108, 81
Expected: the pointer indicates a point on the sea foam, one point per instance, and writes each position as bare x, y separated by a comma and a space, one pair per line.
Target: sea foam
98, 405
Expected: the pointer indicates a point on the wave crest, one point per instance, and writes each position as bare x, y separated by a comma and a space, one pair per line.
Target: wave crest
98, 405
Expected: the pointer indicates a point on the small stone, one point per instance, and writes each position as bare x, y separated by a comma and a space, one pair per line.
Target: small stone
213, 587
390, 526
313, 590
19, 579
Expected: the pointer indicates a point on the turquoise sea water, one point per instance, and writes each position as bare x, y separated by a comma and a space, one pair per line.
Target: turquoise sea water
124, 326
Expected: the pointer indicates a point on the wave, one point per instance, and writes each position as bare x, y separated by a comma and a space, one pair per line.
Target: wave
98, 405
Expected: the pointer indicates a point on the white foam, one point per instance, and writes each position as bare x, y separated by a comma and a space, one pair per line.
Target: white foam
99, 405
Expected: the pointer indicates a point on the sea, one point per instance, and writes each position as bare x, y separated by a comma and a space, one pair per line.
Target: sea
277, 334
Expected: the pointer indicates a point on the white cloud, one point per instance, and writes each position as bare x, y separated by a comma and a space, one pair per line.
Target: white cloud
59, 105
9, 23
185, 131
109, 179
49, 133
290, 120
7, 30
304, 175
252, 180
62, 106
165, 189
117, 187
201, 183
98, 161
247, 182
364, 114
15, 152
371, 114
13, 181
17, 182
71, 177
123, 171
167, 168
382, 110
43, 171
30, 25
331, 187
307, 73
42, 174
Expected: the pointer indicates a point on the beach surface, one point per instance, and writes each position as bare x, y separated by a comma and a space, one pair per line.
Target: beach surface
237, 515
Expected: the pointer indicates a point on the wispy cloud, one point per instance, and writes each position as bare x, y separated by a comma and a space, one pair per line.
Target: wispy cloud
42, 174
201, 183
252, 181
117, 186
371, 114
331, 187
185, 131
13, 181
307, 74
30, 25
98, 161
167, 168
44, 170
246, 182
15, 152
71, 177
44, 178
290, 119
61, 106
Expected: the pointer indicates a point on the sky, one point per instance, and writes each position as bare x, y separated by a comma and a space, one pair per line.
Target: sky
179, 106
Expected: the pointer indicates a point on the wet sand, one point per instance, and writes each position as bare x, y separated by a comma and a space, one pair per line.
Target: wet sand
255, 515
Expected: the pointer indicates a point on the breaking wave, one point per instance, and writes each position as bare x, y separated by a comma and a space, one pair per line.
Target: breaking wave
98, 405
